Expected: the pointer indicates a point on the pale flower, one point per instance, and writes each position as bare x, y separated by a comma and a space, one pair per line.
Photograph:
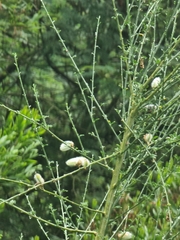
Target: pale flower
155, 82
67, 145
78, 162
125, 235
148, 138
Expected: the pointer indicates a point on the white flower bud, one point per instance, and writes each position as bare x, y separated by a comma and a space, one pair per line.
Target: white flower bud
39, 180
148, 138
67, 145
125, 235
78, 162
155, 82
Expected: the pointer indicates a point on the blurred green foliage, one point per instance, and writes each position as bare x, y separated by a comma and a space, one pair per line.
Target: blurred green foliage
18, 144
20, 139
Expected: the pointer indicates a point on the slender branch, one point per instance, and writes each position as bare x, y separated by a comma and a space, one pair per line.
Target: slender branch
115, 178
33, 215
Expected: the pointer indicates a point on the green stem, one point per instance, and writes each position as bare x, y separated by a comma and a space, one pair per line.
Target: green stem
115, 178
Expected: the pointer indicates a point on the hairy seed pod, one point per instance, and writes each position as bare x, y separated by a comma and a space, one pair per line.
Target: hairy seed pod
78, 162
155, 82
66, 145
38, 178
148, 138
125, 235
150, 108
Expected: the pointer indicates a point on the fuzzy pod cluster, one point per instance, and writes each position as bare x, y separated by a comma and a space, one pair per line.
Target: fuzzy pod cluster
76, 161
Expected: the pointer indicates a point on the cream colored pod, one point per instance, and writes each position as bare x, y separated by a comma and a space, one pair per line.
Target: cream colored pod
155, 82
78, 162
67, 145
148, 138
39, 180
125, 235
150, 107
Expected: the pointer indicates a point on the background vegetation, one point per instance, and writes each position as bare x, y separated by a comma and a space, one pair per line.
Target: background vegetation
82, 71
